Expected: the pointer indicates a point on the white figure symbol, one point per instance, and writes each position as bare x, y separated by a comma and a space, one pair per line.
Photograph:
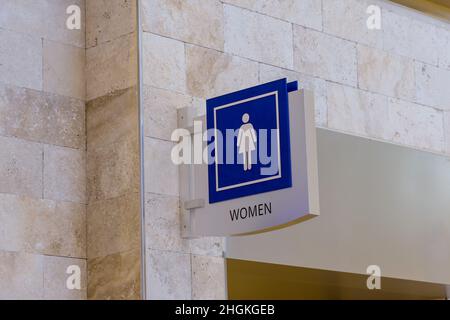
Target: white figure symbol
246, 141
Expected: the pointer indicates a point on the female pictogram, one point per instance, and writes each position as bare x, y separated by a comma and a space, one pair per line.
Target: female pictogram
246, 141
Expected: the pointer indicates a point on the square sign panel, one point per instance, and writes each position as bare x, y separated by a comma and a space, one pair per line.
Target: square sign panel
247, 193
250, 144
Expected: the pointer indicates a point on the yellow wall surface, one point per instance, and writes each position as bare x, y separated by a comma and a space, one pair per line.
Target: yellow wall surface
437, 8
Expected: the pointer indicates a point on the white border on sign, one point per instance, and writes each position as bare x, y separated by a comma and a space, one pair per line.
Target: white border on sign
278, 176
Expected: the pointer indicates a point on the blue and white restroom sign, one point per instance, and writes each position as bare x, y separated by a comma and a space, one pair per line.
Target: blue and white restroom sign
253, 154
261, 171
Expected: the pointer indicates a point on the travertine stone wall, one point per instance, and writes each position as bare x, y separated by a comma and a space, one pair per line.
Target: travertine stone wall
113, 164
42, 150
389, 84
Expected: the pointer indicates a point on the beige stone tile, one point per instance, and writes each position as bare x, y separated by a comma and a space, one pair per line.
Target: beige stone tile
348, 19
318, 86
358, 112
55, 18
164, 63
258, 37
41, 117
432, 86
385, 73
20, 167
163, 224
23, 16
64, 174
115, 277
161, 174
324, 56
107, 20
208, 246
160, 111
111, 66
56, 275
168, 275
111, 118
21, 276
113, 225
42, 19
113, 145
443, 51
64, 70
208, 278
407, 36
416, 125
42, 226
20, 60
377, 116
306, 13
195, 21
211, 73
113, 169
447, 131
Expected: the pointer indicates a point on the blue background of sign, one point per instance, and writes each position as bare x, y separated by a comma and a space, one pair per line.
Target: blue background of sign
262, 113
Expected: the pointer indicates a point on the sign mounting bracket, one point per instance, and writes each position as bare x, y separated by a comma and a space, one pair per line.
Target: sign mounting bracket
186, 118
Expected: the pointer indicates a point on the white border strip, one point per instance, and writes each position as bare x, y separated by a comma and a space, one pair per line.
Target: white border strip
278, 176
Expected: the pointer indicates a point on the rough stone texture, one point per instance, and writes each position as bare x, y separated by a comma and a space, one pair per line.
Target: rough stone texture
161, 175
115, 277
55, 18
443, 51
381, 72
108, 20
160, 111
20, 60
32, 277
64, 70
211, 73
20, 167
306, 13
43, 19
113, 170
432, 86
348, 19
324, 56
23, 16
194, 21
163, 229
410, 37
42, 226
170, 275
39, 53
112, 145
112, 225
208, 246
318, 86
111, 118
41, 117
356, 111
377, 116
447, 132
55, 279
21, 276
258, 37
164, 63
415, 125
111, 66
64, 174
208, 278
